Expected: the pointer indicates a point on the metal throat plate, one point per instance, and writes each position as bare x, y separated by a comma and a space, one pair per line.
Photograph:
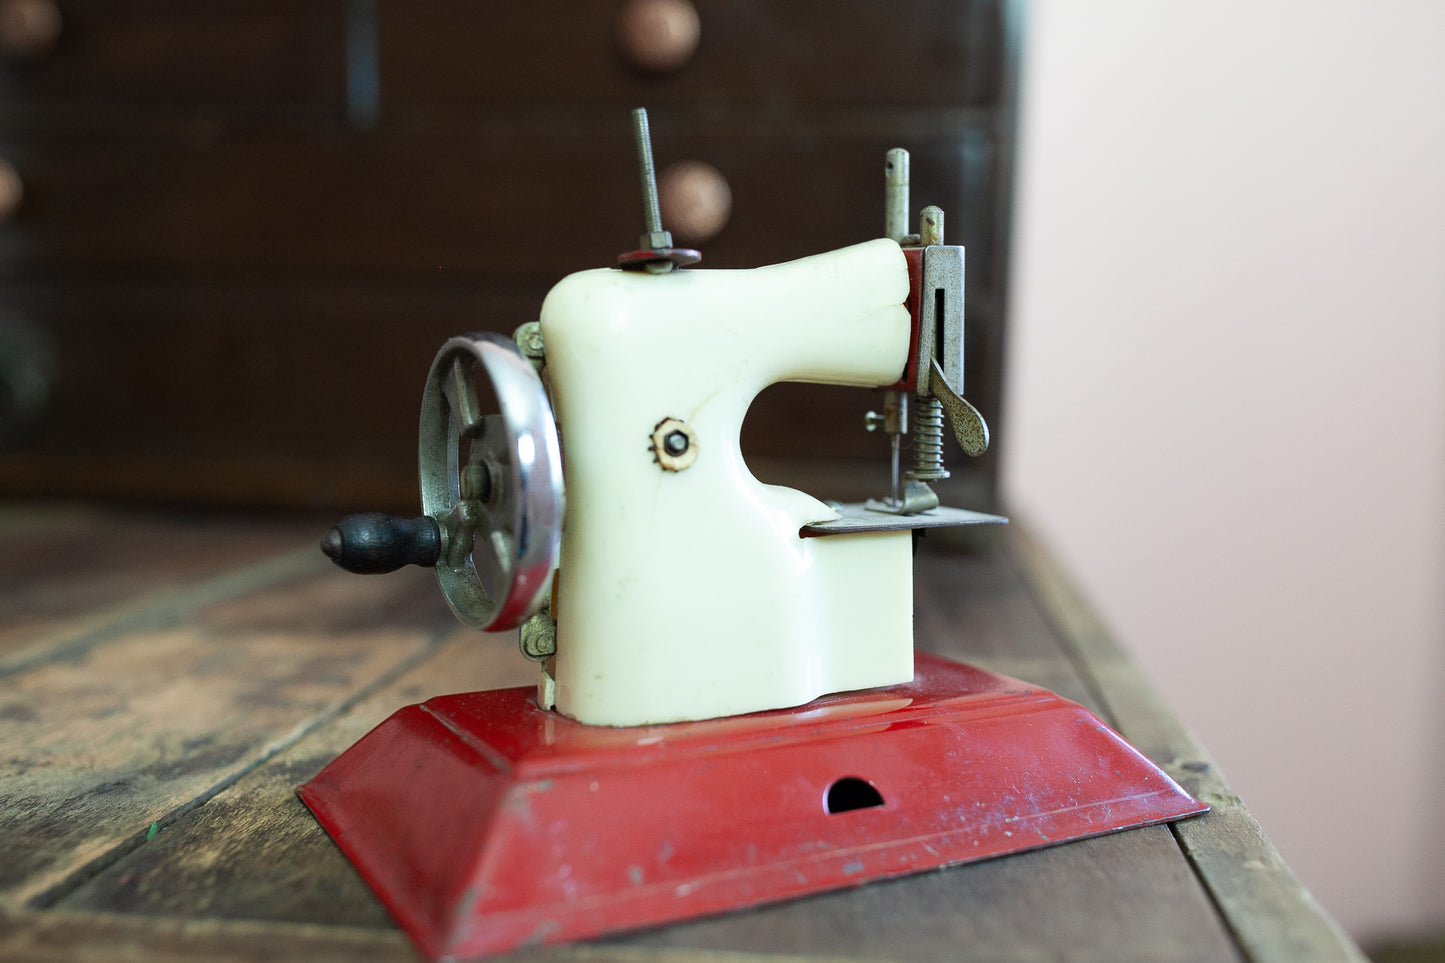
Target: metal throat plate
855, 518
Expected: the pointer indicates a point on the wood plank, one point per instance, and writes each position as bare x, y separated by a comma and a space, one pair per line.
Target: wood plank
69, 575
59, 937
469, 55
251, 478
209, 367
970, 607
62, 937
427, 201
135, 732
1126, 896
1269, 912
253, 852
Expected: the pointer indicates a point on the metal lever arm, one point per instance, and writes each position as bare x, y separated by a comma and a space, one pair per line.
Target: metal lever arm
968, 425
374, 543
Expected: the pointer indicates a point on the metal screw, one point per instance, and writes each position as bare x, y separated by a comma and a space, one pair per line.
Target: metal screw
653, 235
475, 482
675, 443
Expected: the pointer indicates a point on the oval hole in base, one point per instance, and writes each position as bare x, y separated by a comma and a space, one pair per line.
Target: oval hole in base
851, 793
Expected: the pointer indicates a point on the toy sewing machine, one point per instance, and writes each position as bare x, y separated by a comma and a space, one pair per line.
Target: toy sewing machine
729, 710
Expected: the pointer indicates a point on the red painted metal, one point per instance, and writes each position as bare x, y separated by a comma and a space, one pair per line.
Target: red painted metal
484, 823
913, 258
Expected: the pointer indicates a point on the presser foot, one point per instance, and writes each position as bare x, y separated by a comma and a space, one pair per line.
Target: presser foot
484, 823
915, 499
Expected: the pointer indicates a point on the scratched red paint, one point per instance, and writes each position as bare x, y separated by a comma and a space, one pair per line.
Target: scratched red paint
484, 823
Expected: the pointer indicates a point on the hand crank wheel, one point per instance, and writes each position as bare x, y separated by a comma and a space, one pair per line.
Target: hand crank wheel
492, 481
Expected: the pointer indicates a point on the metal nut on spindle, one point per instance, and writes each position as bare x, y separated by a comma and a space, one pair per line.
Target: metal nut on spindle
655, 253
658, 35
475, 482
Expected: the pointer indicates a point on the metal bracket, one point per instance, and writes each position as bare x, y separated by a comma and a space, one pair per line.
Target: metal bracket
940, 317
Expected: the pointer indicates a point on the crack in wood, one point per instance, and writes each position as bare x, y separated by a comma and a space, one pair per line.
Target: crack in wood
89, 870
163, 609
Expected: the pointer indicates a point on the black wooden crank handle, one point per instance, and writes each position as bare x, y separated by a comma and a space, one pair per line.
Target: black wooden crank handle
372, 543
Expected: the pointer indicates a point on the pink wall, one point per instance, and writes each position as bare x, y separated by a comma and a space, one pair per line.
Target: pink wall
1226, 408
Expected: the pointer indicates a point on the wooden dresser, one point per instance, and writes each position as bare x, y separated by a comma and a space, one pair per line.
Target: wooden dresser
246, 226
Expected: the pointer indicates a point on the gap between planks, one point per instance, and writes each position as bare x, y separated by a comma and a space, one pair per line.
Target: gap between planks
87, 871
161, 609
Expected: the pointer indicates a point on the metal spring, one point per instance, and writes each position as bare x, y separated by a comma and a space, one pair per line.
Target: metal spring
928, 440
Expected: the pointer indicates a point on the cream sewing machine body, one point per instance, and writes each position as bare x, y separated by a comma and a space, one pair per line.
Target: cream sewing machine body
675, 586
730, 710
686, 590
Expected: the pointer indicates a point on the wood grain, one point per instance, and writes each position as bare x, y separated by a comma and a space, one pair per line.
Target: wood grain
256, 417
450, 203
129, 734
196, 194
266, 148
1121, 897
148, 811
70, 576
60, 937
177, 53
255, 853
460, 54
214, 366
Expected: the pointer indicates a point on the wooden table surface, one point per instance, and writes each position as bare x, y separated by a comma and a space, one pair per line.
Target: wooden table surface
167, 680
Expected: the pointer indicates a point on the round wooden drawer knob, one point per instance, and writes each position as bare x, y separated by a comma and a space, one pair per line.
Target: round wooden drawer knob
11, 190
28, 28
695, 200
658, 35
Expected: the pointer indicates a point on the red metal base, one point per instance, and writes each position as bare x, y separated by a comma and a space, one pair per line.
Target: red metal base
484, 823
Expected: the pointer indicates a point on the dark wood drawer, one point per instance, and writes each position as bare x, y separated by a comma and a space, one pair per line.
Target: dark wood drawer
182, 53
244, 267
210, 389
222, 390
214, 364
463, 53
539, 203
